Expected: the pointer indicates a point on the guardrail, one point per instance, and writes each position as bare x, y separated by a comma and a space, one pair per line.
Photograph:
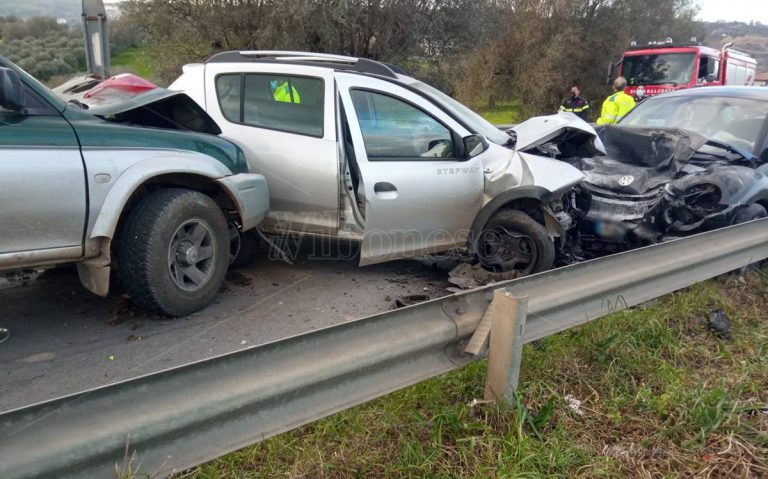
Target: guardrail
185, 416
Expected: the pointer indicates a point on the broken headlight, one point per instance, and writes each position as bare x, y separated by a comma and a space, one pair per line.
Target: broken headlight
692, 205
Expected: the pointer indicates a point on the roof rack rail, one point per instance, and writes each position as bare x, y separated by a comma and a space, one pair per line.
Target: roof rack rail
339, 62
288, 55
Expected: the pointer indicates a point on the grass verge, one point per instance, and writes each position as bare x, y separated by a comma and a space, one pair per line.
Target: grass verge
133, 60
503, 113
646, 392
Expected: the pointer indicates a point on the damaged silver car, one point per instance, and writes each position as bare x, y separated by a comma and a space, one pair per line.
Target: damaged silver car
357, 149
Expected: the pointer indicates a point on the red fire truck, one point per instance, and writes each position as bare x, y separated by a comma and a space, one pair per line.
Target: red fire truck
659, 67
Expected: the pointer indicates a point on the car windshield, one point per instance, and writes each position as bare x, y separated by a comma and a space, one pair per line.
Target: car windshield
735, 121
475, 122
658, 69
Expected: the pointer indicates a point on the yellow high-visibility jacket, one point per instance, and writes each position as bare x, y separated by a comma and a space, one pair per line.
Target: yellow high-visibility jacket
615, 107
287, 94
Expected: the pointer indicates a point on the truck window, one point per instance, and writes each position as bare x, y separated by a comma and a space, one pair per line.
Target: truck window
393, 129
286, 103
659, 69
709, 69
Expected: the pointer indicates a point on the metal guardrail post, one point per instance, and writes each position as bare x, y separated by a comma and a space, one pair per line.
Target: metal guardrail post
505, 348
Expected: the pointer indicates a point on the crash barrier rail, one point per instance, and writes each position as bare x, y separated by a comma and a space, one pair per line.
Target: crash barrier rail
185, 416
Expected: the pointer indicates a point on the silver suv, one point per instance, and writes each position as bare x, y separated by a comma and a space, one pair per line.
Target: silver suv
358, 149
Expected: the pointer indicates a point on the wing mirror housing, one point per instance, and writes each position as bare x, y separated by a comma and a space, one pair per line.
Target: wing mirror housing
11, 90
474, 145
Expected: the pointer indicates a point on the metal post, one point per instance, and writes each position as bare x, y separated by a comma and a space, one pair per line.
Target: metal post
508, 315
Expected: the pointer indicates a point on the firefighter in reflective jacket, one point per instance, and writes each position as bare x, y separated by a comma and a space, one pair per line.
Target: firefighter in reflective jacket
576, 104
284, 92
616, 106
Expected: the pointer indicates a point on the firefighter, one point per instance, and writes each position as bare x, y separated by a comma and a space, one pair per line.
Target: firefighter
284, 92
616, 106
576, 104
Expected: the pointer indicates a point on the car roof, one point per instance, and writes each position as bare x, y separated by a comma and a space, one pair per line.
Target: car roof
749, 92
314, 59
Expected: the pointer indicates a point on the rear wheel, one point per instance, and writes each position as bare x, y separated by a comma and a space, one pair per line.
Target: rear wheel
174, 252
245, 247
513, 241
749, 213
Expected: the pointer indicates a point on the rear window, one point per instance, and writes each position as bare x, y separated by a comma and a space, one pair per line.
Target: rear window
287, 103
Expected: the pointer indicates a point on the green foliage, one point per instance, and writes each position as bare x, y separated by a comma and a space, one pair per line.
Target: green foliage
46, 49
46, 56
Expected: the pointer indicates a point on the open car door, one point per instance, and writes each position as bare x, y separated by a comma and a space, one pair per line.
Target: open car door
421, 193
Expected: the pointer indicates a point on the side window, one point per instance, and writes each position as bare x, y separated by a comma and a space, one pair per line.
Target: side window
277, 102
229, 95
714, 68
393, 129
34, 105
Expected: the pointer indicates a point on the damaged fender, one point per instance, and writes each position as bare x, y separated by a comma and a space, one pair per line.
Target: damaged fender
709, 198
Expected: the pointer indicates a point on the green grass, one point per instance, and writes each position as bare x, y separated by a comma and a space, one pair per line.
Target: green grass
660, 395
133, 60
503, 113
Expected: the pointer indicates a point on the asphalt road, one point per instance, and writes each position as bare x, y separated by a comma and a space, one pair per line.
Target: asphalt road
65, 340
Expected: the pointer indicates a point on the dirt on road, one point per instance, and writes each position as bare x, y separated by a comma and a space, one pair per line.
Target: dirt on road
66, 340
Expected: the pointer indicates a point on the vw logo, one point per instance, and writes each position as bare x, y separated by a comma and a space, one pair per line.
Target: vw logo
626, 180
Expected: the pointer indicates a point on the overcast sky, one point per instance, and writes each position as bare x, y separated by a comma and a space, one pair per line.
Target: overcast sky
734, 10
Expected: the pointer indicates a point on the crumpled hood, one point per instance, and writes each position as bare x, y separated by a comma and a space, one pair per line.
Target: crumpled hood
639, 160
160, 108
507, 168
572, 135
132, 99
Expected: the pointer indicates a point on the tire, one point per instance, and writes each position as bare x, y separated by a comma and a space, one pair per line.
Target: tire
181, 283
512, 240
247, 251
748, 213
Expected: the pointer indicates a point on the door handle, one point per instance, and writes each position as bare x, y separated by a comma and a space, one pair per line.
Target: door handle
385, 191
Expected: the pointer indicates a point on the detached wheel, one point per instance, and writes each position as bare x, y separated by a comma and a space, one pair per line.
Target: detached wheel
244, 247
174, 252
513, 241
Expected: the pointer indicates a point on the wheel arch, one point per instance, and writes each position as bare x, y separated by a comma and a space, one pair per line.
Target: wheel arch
198, 174
527, 199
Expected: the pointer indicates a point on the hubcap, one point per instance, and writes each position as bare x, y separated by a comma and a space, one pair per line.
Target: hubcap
505, 250
191, 255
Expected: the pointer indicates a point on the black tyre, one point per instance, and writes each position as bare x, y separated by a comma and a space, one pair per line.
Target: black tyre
174, 252
513, 241
245, 248
748, 213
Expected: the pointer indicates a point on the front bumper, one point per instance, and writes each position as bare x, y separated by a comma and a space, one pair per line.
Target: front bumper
251, 196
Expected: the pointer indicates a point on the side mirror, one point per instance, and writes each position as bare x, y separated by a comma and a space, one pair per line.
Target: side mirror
11, 90
612, 71
474, 145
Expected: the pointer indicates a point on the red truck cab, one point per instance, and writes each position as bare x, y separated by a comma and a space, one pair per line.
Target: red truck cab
661, 67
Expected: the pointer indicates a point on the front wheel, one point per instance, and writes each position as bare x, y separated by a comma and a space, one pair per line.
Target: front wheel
513, 241
174, 252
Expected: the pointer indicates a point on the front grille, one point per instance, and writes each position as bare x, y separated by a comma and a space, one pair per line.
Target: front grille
614, 209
